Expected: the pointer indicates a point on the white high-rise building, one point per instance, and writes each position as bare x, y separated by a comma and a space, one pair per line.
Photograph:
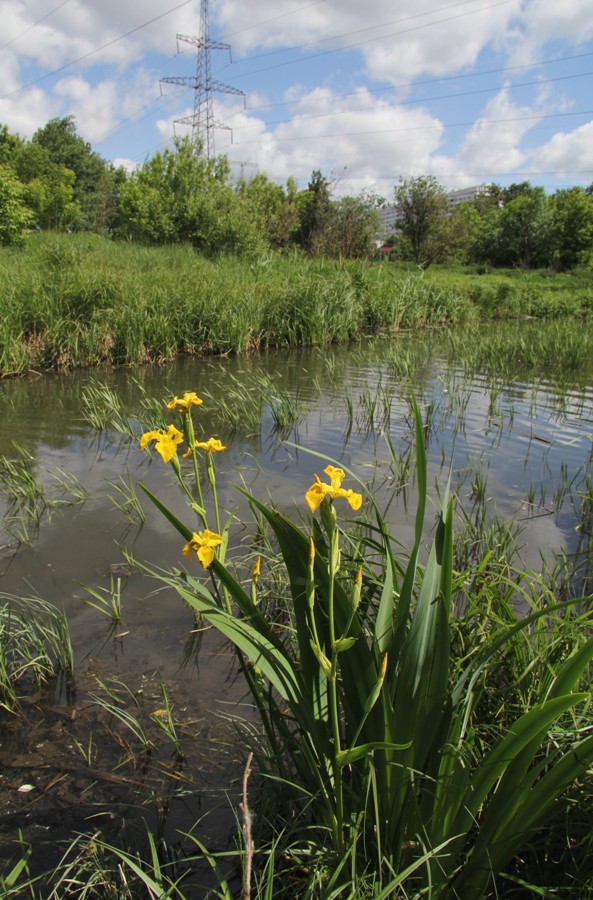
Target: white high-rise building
465, 194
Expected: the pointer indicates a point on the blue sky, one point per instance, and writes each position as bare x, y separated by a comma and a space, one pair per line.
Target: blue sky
367, 92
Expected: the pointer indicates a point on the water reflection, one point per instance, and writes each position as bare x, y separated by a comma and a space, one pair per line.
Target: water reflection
523, 441
518, 446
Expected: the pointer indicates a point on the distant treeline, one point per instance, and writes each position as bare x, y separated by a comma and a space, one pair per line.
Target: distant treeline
57, 182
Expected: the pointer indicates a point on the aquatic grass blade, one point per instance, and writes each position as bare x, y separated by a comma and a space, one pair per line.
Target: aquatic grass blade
513, 822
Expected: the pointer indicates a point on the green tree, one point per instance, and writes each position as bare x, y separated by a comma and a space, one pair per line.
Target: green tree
523, 231
314, 206
9, 145
348, 229
459, 234
15, 216
51, 198
66, 148
421, 205
572, 228
181, 195
272, 209
48, 187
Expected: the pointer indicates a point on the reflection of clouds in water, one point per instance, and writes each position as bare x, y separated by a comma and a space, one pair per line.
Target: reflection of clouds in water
521, 434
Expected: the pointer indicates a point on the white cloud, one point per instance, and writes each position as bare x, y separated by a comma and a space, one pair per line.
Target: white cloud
31, 112
421, 36
567, 20
129, 165
340, 135
94, 107
570, 152
493, 142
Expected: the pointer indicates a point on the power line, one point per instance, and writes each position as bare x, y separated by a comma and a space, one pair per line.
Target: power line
442, 78
318, 137
337, 37
382, 37
34, 25
551, 61
345, 112
93, 52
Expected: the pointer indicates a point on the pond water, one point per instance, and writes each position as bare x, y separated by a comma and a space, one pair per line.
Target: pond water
520, 453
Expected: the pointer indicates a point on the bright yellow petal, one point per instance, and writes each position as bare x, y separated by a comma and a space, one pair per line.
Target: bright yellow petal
190, 398
335, 475
149, 436
354, 499
205, 555
315, 494
209, 538
174, 434
187, 550
212, 445
166, 447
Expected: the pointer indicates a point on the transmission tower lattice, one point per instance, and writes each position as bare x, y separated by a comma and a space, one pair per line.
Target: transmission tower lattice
202, 121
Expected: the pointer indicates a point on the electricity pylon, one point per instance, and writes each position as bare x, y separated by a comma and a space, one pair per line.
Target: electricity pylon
202, 121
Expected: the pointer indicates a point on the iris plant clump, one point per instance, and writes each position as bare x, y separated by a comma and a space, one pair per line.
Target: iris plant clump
369, 709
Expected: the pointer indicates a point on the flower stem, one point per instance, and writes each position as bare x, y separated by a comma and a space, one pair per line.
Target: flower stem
334, 551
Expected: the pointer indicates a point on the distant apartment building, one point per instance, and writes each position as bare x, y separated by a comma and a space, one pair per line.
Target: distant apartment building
387, 217
465, 194
388, 213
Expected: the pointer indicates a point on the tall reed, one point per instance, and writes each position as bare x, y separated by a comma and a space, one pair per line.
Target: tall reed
78, 300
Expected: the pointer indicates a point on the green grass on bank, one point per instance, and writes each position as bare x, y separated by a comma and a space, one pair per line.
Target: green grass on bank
69, 301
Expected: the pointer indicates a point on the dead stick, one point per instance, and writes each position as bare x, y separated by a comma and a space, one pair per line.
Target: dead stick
247, 838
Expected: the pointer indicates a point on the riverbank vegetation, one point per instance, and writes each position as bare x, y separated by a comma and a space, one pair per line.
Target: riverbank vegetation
176, 257
69, 301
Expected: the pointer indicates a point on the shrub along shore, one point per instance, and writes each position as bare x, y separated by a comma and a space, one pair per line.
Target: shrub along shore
69, 301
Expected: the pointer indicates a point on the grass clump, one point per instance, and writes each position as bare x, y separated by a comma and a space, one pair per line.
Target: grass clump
34, 647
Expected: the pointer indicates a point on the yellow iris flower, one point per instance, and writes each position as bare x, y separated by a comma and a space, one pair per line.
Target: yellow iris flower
165, 442
203, 543
190, 398
212, 445
319, 490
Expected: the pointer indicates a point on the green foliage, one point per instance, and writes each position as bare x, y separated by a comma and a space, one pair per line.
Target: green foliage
572, 211
418, 749
34, 646
421, 205
181, 195
523, 231
314, 204
348, 231
9, 145
51, 199
273, 210
79, 300
68, 150
15, 216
